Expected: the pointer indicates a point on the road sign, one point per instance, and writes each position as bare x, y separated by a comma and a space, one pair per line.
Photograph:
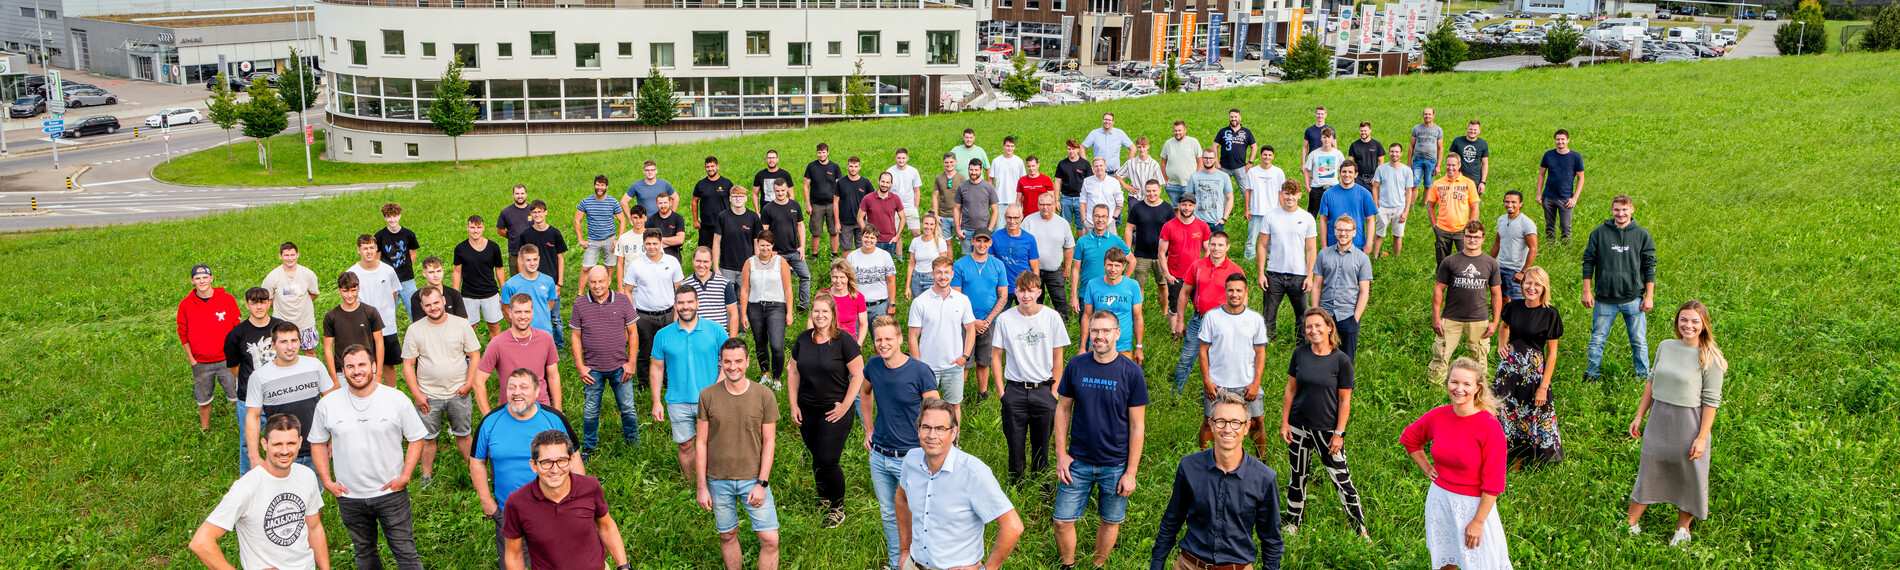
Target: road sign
52, 129
52, 123
167, 137
309, 135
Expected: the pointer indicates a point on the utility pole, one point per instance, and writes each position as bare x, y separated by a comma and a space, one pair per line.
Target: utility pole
1803, 40
303, 90
55, 93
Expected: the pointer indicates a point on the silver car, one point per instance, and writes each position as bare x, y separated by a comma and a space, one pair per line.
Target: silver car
89, 97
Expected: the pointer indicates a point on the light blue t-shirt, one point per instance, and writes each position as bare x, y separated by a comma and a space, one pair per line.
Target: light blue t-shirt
691, 358
979, 280
1210, 194
1394, 181
600, 216
1016, 252
1088, 254
1120, 299
1107, 145
541, 289
506, 442
1342, 201
648, 195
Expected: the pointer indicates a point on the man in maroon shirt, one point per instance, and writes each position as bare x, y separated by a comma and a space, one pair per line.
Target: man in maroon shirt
562, 519
881, 210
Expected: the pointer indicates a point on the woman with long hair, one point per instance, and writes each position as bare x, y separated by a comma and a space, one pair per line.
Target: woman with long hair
1466, 468
1674, 419
826, 374
1313, 415
765, 283
1527, 360
852, 309
925, 248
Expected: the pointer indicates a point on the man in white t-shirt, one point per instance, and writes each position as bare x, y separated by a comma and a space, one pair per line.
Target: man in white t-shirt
1033, 337
1053, 234
1263, 193
439, 355
1103, 190
1005, 172
907, 183
293, 290
876, 273
654, 277
940, 317
273, 508
290, 384
364, 429
1290, 246
1395, 189
1321, 168
1234, 348
378, 287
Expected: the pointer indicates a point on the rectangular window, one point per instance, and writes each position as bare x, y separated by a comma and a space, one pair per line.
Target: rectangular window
942, 47
332, 43
868, 41
1004, 3
586, 55
798, 53
1034, 4
49, 14
375, 148
428, 49
660, 55
349, 145
626, 49
359, 53
758, 43
834, 48
468, 55
540, 43
1060, 5
392, 42
709, 49
505, 49
26, 12
415, 150
903, 48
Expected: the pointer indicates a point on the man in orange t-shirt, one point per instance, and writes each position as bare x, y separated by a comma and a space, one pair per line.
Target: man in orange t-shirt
1453, 201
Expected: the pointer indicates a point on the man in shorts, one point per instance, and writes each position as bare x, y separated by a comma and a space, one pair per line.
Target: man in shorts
438, 358
205, 318
943, 331
478, 274
735, 443
1234, 346
1100, 427
685, 361
293, 291
597, 221
1394, 189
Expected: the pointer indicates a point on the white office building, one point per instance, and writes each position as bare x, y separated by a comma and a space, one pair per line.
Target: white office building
556, 76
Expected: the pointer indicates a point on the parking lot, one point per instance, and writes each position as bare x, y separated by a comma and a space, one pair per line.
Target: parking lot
137, 100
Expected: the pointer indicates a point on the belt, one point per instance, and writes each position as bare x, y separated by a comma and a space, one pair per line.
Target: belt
769, 303
1028, 384
1205, 565
661, 313
891, 453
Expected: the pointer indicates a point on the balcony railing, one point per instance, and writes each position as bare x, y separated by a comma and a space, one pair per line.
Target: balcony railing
657, 4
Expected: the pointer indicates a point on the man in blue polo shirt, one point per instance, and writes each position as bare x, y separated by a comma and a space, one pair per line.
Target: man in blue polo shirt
1016, 247
1089, 249
1347, 198
1107, 398
894, 386
985, 280
685, 361
504, 443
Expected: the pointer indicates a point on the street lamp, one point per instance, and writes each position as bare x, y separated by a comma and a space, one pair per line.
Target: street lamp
1803, 40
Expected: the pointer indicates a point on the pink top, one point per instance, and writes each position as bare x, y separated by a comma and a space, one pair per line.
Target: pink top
1468, 452
849, 307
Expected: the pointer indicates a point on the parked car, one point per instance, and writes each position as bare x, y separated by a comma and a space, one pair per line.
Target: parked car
175, 116
89, 97
97, 124
29, 106
1006, 49
1702, 51
1479, 14
237, 85
1771, 15
1053, 65
1749, 15
268, 77
1666, 57
1495, 29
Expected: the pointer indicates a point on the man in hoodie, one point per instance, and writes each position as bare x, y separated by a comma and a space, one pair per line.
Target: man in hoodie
1619, 276
205, 317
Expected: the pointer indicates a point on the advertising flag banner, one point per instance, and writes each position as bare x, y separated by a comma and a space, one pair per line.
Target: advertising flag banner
1213, 37
1158, 39
1187, 35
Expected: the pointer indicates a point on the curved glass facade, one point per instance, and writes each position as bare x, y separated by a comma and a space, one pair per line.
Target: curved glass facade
501, 100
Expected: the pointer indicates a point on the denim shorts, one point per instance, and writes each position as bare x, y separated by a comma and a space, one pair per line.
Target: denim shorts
1072, 499
728, 495
684, 418
950, 384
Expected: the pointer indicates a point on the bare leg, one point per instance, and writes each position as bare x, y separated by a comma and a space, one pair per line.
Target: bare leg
730, 552
1207, 433
1683, 518
1105, 541
688, 460
768, 550
428, 458
1065, 541
1636, 512
204, 417
1259, 429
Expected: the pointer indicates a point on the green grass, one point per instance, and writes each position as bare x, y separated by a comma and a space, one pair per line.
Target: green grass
1737, 167
238, 166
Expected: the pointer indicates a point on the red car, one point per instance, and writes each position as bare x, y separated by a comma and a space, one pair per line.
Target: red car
1002, 48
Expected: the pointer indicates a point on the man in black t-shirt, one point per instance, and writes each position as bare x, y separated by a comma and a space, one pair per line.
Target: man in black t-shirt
821, 181
671, 224
1467, 300
432, 273
396, 246
548, 239
1476, 154
851, 192
1365, 152
786, 220
733, 232
513, 219
766, 183
1070, 172
478, 275
1145, 220
709, 199
247, 347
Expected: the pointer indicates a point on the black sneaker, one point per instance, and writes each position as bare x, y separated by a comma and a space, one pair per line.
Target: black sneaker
980, 397
587, 455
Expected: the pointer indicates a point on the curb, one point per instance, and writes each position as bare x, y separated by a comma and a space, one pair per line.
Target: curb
73, 180
49, 150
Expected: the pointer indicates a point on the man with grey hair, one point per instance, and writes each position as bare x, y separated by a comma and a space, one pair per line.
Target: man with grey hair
945, 497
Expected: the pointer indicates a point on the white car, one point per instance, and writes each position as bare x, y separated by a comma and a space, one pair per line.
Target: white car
176, 116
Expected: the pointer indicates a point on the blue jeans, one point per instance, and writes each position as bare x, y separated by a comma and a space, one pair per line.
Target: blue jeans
729, 495
555, 323
1512, 289
919, 282
1072, 209
623, 397
885, 471
1422, 169
1256, 225
1220, 227
1174, 192
1072, 499
1634, 321
803, 273
244, 457
408, 290
889, 247
1190, 350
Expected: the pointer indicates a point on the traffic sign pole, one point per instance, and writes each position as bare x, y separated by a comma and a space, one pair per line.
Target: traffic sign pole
56, 106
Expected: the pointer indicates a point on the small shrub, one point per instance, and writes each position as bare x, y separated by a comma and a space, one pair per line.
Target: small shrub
1884, 34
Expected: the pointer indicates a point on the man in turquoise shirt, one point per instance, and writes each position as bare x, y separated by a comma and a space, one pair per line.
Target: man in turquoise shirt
685, 361
1116, 293
1089, 249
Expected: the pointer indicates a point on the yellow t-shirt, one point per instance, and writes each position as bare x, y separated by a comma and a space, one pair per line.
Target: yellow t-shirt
1454, 199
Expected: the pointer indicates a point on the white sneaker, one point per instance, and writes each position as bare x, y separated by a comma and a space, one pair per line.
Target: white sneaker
1682, 536
1636, 530
1289, 529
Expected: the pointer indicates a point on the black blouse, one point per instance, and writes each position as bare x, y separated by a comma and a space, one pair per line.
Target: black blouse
824, 374
1532, 327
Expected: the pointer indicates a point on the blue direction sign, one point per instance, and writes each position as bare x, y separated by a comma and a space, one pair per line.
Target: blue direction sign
52, 123
54, 129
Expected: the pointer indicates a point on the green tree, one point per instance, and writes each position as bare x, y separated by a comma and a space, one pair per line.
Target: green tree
1021, 83
1443, 50
221, 108
1561, 43
297, 86
1793, 38
452, 113
657, 104
1307, 60
857, 92
263, 117
1884, 34
1171, 75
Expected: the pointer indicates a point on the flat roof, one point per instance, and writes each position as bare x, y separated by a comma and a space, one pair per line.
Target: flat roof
208, 19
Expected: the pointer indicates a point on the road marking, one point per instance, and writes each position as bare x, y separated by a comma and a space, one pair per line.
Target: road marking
87, 212
139, 210
94, 184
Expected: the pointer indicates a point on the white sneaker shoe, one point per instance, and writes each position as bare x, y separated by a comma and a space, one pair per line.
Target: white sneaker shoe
1682, 536
1289, 529
1636, 530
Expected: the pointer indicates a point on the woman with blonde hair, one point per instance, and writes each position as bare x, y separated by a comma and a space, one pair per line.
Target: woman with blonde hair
925, 248
1466, 468
852, 308
1674, 419
823, 381
1527, 360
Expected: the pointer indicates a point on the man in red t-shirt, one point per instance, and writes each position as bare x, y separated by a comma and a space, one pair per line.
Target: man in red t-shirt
1205, 285
1034, 184
1181, 240
205, 317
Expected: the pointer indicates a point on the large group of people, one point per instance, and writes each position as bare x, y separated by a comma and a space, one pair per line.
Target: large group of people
1000, 262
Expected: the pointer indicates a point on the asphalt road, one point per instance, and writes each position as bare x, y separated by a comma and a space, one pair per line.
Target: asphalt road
144, 200
101, 149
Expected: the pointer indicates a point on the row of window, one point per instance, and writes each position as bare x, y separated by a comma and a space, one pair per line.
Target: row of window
411, 150
27, 12
1116, 6
613, 98
709, 49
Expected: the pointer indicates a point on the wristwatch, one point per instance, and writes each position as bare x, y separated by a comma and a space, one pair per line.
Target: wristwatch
624, 567
765, 483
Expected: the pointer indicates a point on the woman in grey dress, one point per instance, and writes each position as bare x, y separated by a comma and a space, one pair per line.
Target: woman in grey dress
1679, 402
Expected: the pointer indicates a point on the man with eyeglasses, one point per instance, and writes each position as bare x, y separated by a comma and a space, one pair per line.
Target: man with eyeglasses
504, 447
736, 442
944, 499
1223, 499
561, 521
1100, 427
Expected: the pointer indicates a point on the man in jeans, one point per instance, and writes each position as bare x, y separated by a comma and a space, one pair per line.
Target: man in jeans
1290, 246
365, 432
1203, 289
786, 220
1619, 276
1343, 283
1516, 247
1466, 303
1560, 183
737, 418
1100, 427
1428, 143
894, 386
597, 220
606, 335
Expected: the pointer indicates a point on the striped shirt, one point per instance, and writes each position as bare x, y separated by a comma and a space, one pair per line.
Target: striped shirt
603, 327
600, 216
714, 294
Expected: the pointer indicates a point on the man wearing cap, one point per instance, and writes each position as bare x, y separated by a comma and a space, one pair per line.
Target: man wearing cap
205, 317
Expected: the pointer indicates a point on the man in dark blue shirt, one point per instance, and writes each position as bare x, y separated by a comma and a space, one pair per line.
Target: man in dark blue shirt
1107, 397
1222, 498
895, 385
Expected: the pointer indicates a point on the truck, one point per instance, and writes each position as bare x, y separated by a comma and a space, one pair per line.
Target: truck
1683, 35
1620, 29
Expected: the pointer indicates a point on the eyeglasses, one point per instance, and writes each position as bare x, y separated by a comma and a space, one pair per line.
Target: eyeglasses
560, 462
929, 429
1233, 425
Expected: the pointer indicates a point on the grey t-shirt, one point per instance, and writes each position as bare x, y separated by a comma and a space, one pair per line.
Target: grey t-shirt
1425, 141
976, 198
1340, 274
1512, 250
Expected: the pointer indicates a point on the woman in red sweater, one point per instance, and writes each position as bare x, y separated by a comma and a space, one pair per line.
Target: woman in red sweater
1466, 468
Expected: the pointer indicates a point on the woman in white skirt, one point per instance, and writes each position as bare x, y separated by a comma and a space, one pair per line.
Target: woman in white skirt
1466, 467
1674, 419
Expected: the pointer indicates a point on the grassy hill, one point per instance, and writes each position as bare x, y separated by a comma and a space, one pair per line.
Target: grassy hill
1765, 181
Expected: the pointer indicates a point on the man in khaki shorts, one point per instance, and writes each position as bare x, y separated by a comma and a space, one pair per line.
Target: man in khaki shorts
439, 354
